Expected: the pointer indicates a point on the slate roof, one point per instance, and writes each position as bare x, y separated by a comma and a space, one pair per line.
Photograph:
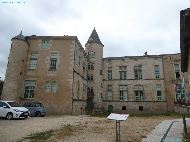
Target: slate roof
94, 38
19, 36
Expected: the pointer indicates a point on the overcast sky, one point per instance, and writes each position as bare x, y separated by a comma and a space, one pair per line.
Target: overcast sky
125, 27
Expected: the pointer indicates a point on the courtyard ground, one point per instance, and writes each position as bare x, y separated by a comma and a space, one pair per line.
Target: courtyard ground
77, 129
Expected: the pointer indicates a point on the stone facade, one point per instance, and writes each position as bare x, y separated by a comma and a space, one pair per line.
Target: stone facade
68, 79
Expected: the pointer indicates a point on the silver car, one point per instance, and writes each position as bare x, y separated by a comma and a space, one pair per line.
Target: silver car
35, 108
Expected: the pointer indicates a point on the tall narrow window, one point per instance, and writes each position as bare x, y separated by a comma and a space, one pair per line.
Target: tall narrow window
139, 93
48, 86
123, 92
180, 93
123, 72
138, 71
157, 71
158, 92
53, 61
177, 70
54, 86
33, 61
29, 88
109, 92
110, 73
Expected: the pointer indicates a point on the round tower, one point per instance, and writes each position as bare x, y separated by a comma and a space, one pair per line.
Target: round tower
94, 48
14, 78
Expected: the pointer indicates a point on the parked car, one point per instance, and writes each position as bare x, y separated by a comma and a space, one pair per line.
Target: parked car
11, 109
35, 108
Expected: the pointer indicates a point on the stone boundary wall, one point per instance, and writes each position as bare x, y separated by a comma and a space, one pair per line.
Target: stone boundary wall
182, 109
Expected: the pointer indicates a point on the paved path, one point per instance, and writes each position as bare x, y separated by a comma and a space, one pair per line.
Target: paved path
167, 131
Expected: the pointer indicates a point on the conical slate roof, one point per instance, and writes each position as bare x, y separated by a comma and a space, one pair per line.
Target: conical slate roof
19, 36
94, 38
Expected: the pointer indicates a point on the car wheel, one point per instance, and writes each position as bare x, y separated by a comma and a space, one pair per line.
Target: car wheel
9, 116
38, 113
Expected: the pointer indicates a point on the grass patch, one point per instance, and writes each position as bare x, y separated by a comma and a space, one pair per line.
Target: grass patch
67, 130
61, 133
42, 136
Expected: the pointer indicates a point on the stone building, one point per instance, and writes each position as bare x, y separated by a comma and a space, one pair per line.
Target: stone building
68, 79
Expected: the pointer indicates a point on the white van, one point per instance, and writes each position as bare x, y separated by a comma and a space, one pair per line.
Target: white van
11, 109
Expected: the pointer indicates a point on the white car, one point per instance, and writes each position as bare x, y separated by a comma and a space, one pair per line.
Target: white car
11, 109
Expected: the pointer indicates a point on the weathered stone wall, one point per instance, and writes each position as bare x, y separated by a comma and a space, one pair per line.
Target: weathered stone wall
96, 84
133, 107
59, 102
14, 78
79, 107
148, 81
169, 62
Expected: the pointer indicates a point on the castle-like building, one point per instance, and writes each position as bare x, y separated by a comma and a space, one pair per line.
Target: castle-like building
68, 79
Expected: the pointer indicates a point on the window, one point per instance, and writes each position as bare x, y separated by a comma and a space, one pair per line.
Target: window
140, 108
177, 70
84, 66
90, 77
79, 60
180, 93
91, 54
138, 71
29, 88
159, 92
109, 92
33, 61
45, 43
53, 61
110, 73
51, 86
90, 67
139, 93
3, 104
48, 86
157, 71
123, 92
84, 89
123, 72
124, 108
100, 72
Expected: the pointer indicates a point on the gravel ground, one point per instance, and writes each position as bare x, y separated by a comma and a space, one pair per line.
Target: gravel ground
91, 129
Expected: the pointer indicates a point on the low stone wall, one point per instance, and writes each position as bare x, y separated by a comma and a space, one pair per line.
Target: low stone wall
137, 107
182, 109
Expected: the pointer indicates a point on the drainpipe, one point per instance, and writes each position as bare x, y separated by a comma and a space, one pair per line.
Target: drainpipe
165, 83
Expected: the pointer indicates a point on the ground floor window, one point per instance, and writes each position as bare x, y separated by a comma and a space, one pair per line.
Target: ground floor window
158, 92
124, 108
139, 93
51, 86
29, 88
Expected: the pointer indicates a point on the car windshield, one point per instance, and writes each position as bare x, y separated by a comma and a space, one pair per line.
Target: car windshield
14, 104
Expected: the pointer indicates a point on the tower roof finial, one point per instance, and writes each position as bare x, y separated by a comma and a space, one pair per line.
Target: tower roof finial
19, 36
